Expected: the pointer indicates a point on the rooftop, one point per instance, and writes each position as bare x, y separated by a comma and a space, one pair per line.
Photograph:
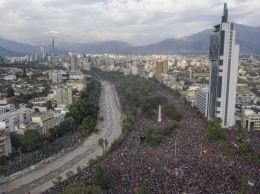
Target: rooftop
13, 113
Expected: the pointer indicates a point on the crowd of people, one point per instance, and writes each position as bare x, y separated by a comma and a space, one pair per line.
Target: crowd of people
19, 163
179, 164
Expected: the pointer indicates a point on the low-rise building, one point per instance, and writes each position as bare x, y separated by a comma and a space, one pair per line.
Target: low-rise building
77, 85
10, 120
32, 125
58, 117
202, 100
22, 105
250, 120
5, 108
46, 121
10, 77
191, 94
245, 97
62, 108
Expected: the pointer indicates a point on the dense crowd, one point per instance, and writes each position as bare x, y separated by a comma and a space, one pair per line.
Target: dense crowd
178, 164
18, 163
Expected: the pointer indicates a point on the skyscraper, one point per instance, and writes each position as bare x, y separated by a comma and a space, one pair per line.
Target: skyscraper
42, 55
52, 49
223, 56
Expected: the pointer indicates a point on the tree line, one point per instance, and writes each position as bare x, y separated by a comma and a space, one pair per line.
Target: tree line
141, 93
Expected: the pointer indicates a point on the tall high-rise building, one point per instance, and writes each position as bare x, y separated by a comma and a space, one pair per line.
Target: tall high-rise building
73, 61
52, 49
42, 55
223, 56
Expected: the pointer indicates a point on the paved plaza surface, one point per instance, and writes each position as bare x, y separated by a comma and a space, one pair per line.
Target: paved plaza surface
110, 128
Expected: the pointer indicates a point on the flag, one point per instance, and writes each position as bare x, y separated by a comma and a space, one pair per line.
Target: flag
205, 151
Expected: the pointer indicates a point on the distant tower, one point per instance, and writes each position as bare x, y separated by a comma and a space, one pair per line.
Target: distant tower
52, 49
223, 58
42, 55
160, 114
50, 53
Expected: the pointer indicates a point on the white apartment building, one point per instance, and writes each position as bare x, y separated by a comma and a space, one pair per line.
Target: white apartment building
137, 70
10, 120
58, 76
6, 108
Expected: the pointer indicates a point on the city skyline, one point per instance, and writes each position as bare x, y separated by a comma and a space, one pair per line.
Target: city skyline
138, 22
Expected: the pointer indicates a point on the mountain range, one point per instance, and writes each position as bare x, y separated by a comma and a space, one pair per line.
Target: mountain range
247, 37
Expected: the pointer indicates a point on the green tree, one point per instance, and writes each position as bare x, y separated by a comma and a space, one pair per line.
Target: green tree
214, 131
47, 147
75, 188
31, 140
48, 105
106, 144
222, 144
101, 143
142, 190
3, 160
88, 124
245, 147
10, 92
101, 179
78, 169
26, 159
69, 174
246, 188
24, 73
57, 180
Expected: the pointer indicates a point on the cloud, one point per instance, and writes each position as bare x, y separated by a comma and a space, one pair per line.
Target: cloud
136, 21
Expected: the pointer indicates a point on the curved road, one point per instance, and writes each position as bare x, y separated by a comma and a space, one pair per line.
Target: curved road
41, 179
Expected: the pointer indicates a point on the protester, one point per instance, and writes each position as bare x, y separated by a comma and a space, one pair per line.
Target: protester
178, 164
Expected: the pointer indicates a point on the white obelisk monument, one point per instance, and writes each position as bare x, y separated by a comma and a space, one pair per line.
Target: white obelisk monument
160, 114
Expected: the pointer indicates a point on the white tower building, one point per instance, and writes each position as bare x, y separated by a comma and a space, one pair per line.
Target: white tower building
223, 56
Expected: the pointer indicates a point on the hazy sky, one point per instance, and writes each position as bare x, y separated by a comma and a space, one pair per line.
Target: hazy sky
138, 22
